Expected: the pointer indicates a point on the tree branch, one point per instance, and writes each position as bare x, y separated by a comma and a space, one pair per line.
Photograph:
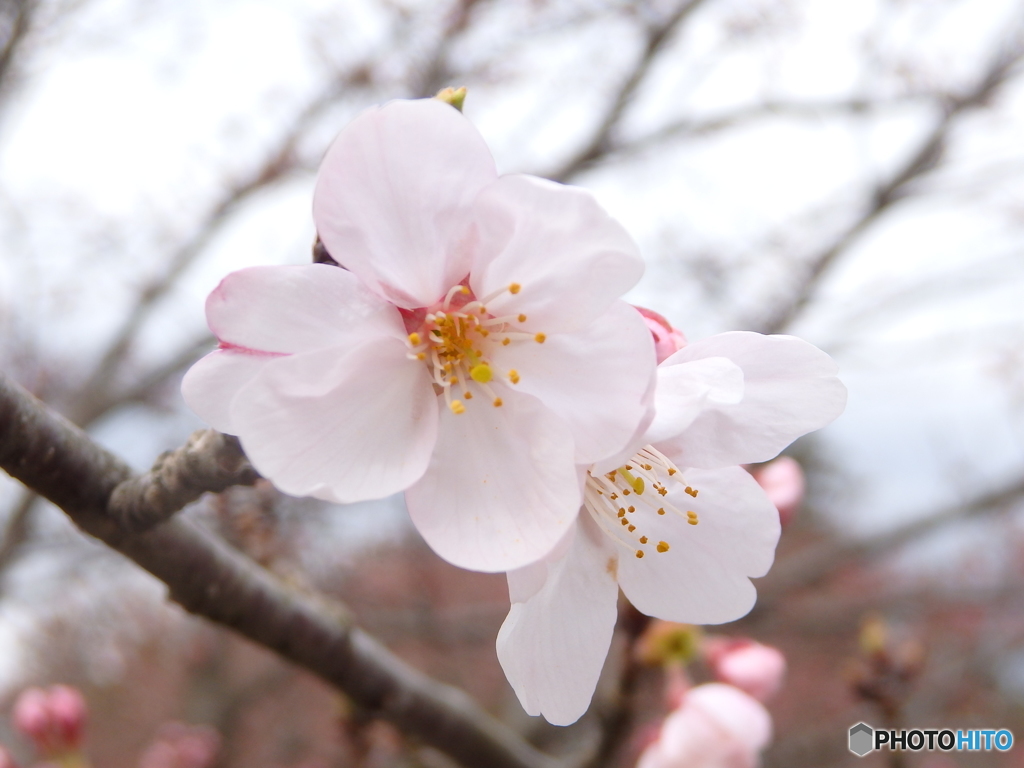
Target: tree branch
206, 577
924, 159
600, 143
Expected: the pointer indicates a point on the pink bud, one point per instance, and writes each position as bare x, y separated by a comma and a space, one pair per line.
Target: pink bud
69, 713
783, 481
716, 726
667, 340
31, 716
754, 668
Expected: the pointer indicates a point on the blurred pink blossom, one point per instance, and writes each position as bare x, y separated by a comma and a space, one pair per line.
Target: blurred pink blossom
54, 718
716, 726
753, 668
783, 481
667, 340
178, 745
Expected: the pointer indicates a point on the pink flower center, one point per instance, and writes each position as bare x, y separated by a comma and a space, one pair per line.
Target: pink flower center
456, 340
620, 500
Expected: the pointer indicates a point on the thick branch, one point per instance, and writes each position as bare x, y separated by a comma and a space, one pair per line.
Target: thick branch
206, 577
209, 461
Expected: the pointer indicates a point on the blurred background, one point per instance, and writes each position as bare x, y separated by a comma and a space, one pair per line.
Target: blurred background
849, 172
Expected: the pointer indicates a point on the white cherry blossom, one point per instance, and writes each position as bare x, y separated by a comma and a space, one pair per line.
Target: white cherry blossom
471, 350
673, 520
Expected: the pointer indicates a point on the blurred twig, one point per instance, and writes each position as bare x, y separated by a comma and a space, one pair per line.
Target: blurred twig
922, 160
600, 142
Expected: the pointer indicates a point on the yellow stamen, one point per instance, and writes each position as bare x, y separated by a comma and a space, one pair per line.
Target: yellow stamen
522, 318
481, 373
457, 407
414, 339
643, 539
540, 338
513, 376
514, 288
506, 341
661, 510
497, 402
639, 554
468, 395
663, 546
631, 528
632, 509
625, 521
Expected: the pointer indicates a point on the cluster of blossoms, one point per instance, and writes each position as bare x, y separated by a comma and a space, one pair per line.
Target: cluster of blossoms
473, 351
721, 724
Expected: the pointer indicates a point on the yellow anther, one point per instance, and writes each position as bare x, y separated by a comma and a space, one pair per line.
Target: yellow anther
514, 288
622, 512
414, 339
468, 395
457, 407
693, 521
636, 483
631, 528
540, 338
624, 521
643, 539
453, 380
421, 356
506, 341
513, 376
481, 372
521, 318
690, 491
671, 471
663, 546
497, 402
639, 554
464, 290
632, 509
661, 510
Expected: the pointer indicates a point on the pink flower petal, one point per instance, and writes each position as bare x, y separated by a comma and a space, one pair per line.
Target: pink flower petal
393, 201
501, 489
789, 389
686, 390
571, 259
598, 379
552, 646
704, 577
297, 309
211, 385
340, 424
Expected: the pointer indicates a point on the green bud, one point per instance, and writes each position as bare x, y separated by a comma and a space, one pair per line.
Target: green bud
454, 96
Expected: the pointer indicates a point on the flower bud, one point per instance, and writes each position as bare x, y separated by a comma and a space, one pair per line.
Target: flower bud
715, 725
783, 481
753, 668
667, 340
54, 719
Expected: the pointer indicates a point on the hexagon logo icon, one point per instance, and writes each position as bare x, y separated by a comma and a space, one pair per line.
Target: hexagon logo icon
862, 737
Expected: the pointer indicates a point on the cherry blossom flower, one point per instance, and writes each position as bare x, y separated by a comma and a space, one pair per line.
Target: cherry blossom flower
471, 351
53, 718
715, 726
754, 668
673, 520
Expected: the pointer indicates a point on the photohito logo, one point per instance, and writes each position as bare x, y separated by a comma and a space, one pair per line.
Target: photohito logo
865, 739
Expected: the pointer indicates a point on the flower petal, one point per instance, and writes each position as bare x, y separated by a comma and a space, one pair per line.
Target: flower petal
684, 390
210, 386
569, 256
553, 645
598, 379
297, 309
340, 424
501, 489
394, 195
789, 389
703, 577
